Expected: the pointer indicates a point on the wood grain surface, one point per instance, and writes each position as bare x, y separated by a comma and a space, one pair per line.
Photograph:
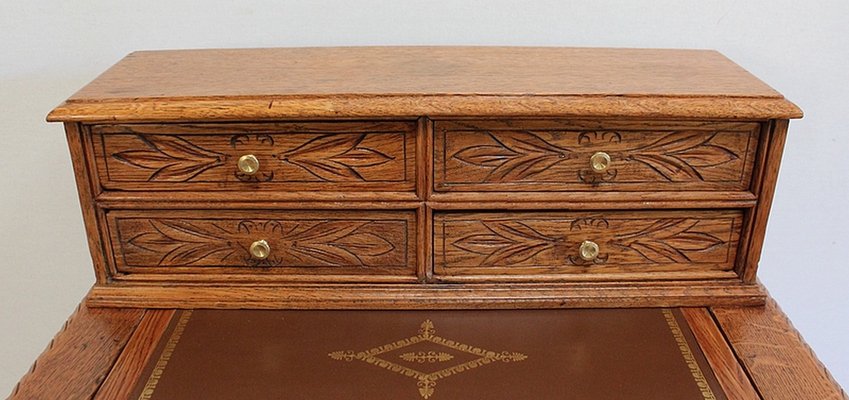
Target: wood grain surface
731, 376
552, 155
129, 365
422, 70
415, 81
78, 359
768, 179
773, 353
548, 243
85, 176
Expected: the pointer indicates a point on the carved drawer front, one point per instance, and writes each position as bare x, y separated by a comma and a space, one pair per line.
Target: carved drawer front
337, 156
644, 243
264, 242
585, 155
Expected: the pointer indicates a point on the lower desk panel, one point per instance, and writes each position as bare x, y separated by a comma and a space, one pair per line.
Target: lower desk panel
752, 352
517, 354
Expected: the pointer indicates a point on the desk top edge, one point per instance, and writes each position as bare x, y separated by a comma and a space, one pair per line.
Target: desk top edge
328, 82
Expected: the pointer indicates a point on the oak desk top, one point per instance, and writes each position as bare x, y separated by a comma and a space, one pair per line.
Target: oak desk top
414, 81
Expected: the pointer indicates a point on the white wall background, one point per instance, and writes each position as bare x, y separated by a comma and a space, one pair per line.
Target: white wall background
48, 49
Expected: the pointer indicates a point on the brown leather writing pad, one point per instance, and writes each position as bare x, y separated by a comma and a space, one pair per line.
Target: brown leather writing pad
516, 354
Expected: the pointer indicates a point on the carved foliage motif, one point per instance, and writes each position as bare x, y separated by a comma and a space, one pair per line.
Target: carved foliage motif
539, 156
180, 242
534, 241
170, 158
335, 157
517, 155
339, 157
507, 242
682, 155
668, 241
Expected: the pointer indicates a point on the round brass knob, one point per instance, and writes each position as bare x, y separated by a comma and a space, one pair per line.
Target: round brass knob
260, 249
248, 164
600, 161
589, 250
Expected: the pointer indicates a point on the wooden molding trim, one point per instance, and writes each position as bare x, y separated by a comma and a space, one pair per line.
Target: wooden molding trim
129, 366
435, 296
414, 106
727, 370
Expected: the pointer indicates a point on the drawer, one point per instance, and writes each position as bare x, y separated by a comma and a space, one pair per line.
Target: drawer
554, 155
292, 242
331, 156
641, 243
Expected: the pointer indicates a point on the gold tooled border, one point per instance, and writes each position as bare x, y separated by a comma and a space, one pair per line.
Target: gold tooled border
159, 368
687, 353
672, 322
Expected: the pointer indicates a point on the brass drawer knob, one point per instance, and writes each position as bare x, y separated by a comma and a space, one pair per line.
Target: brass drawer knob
248, 164
260, 249
600, 161
589, 250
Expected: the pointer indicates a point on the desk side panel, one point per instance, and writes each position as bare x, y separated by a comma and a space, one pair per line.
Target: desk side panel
77, 136
77, 360
775, 356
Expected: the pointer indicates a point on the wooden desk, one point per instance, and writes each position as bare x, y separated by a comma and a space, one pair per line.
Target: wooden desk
754, 352
430, 179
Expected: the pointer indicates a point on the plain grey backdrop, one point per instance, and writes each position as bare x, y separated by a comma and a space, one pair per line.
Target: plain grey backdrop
48, 49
